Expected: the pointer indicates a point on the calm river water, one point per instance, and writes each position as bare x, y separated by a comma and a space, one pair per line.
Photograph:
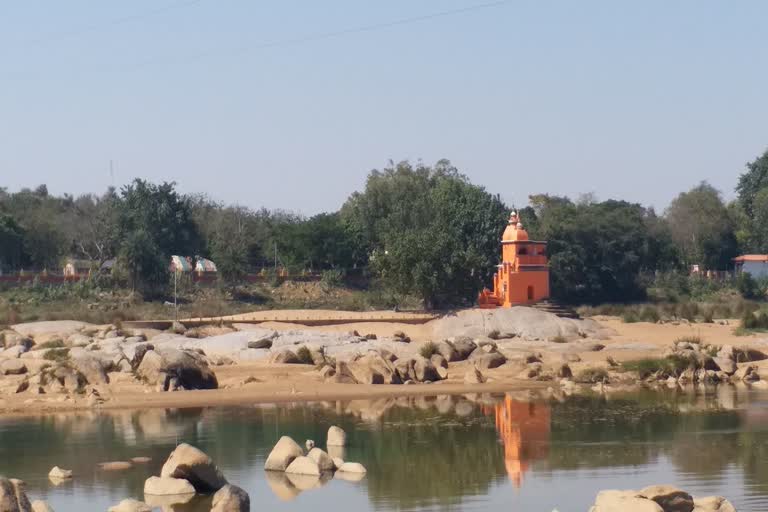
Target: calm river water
440, 453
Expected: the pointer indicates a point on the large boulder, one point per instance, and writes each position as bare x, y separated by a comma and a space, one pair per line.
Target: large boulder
231, 498
372, 368
167, 486
446, 349
130, 505
195, 466
10, 339
92, 368
284, 356
487, 361
12, 367
726, 365
336, 436
177, 369
464, 347
713, 504
323, 460
281, 456
669, 498
425, 370
12, 496
303, 466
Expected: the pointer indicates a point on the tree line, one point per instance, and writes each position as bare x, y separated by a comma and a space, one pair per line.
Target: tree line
422, 230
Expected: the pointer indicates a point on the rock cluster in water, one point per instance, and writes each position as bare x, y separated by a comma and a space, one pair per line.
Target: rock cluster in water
290, 470
658, 498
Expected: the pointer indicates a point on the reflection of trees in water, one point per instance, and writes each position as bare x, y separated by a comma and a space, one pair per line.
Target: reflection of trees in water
419, 451
695, 431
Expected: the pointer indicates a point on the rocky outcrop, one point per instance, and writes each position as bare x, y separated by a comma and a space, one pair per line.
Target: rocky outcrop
193, 465
231, 498
286, 450
171, 369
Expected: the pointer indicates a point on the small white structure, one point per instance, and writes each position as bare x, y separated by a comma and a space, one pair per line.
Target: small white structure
755, 265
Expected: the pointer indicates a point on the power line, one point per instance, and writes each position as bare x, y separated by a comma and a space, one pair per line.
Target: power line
132, 18
354, 30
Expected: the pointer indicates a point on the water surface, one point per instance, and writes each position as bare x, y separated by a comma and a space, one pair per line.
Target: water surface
475, 452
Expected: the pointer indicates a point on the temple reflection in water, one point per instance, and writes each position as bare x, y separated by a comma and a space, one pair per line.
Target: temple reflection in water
524, 429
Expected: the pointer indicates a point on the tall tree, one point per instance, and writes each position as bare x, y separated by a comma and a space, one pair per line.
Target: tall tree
427, 231
752, 181
701, 226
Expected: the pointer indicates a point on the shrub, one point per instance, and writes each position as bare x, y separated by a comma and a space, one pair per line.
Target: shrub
747, 286
630, 316
304, 355
671, 366
592, 376
428, 349
333, 278
57, 354
709, 316
50, 344
754, 320
650, 314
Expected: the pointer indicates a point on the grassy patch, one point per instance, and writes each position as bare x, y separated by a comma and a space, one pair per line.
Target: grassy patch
428, 349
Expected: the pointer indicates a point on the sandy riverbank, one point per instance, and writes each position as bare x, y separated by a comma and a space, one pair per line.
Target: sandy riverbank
260, 381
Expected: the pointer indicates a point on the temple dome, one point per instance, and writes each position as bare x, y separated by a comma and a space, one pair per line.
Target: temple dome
514, 231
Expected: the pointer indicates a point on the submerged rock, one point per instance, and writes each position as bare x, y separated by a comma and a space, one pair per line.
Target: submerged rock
59, 473
164, 486
130, 505
352, 467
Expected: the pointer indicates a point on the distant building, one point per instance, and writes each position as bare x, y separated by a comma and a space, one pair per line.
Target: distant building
74, 267
205, 265
181, 264
755, 265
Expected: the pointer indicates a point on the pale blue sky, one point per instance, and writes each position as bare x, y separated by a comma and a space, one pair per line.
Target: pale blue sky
631, 100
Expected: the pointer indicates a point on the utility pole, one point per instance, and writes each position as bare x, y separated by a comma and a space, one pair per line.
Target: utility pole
275, 257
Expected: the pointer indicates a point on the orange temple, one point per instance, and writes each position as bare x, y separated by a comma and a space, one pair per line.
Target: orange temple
523, 275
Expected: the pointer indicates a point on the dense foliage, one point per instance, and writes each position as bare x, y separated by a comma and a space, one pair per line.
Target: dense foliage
420, 230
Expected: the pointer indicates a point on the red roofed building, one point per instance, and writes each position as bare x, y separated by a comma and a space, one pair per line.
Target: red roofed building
755, 265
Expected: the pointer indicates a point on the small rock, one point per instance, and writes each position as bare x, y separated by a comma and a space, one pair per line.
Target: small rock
309, 444
130, 505
336, 436
141, 460
352, 467
191, 464
713, 504
231, 498
59, 473
260, 343
115, 466
164, 486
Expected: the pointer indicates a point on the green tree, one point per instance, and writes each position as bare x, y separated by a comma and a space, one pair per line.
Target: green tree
11, 242
599, 251
753, 181
701, 227
427, 231
154, 223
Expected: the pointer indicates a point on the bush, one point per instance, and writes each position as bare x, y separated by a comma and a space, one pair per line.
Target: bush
754, 320
57, 354
50, 344
592, 376
630, 316
650, 314
671, 366
304, 355
428, 349
333, 278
